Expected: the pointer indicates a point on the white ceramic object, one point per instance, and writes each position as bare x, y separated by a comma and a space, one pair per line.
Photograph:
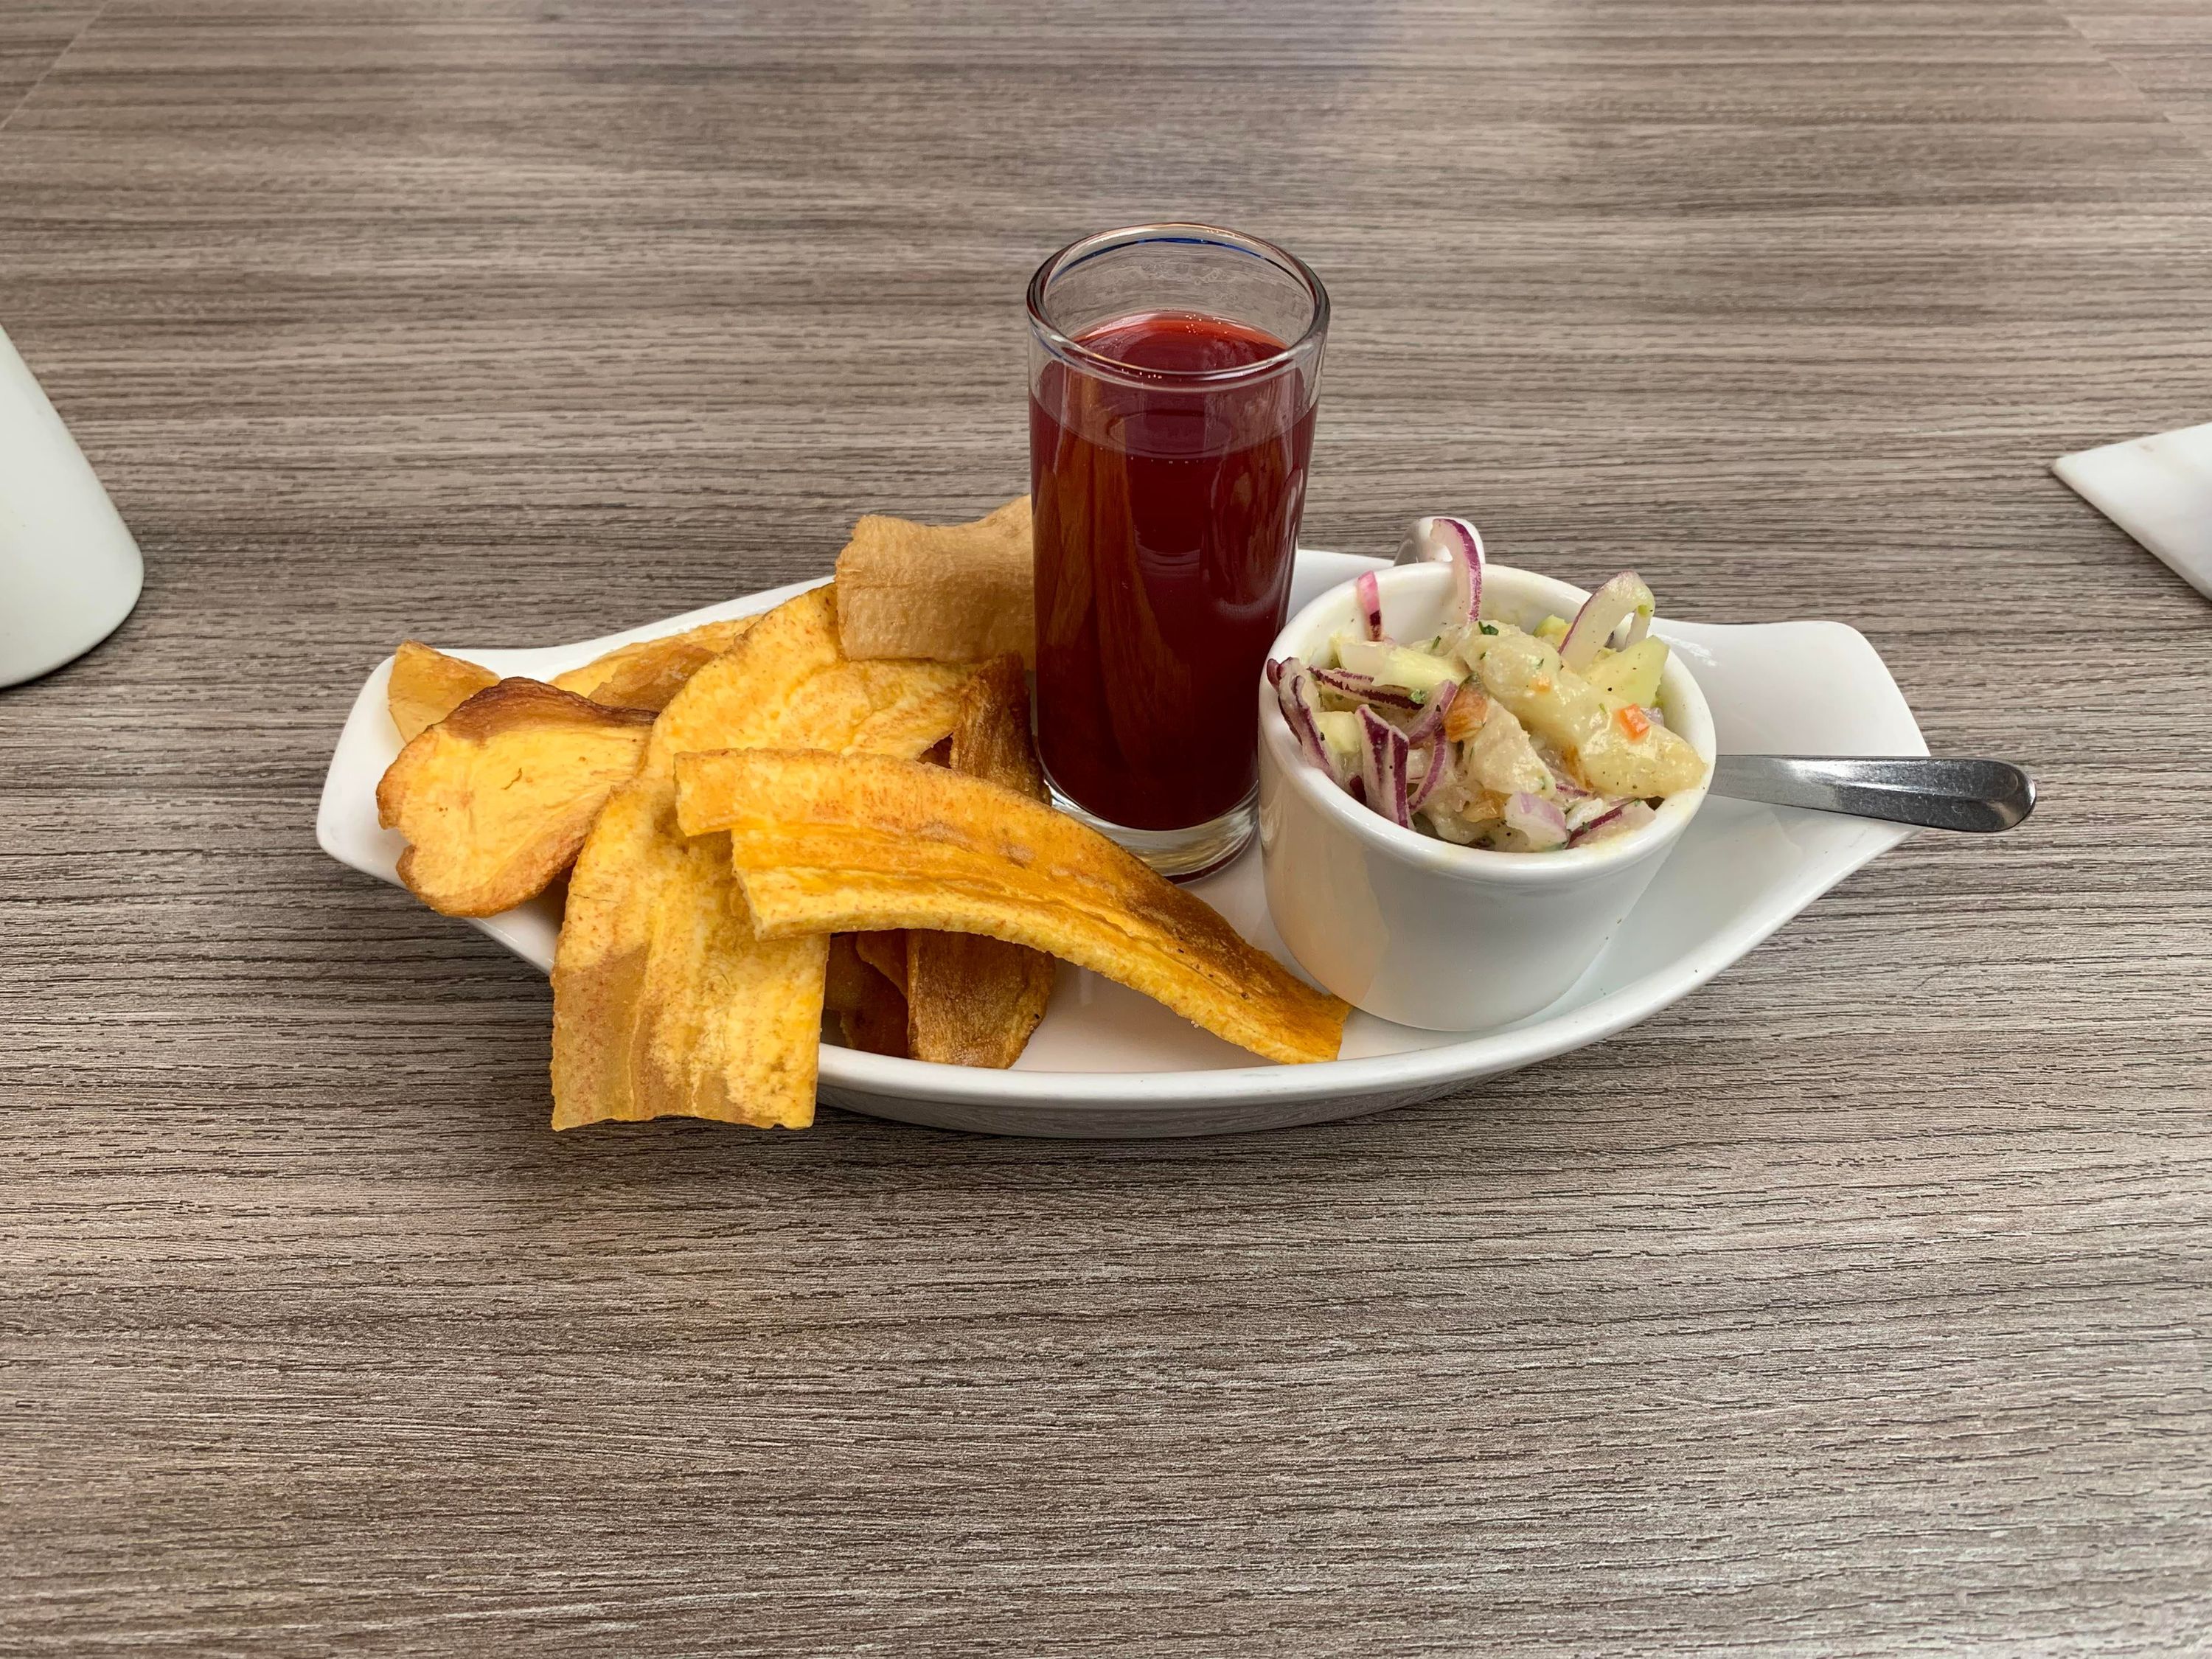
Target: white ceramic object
2159, 490
1107, 1062
1416, 930
70, 571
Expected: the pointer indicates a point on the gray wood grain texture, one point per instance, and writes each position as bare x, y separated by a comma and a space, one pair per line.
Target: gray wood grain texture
2164, 47
1856, 1305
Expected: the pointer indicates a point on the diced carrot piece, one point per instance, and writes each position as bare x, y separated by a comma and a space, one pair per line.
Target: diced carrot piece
1465, 715
1633, 721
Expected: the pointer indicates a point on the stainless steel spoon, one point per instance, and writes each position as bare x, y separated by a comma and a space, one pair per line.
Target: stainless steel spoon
1977, 796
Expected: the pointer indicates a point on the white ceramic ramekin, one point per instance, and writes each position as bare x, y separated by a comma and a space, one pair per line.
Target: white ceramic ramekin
1414, 929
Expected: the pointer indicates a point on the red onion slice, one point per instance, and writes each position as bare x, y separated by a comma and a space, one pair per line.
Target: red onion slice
1467, 562
1295, 696
1383, 768
1431, 722
1441, 540
1624, 597
1275, 672
1436, 748
1371, 603
1427, 735
1538, 819
1629, 815
1363, 689
1589, 809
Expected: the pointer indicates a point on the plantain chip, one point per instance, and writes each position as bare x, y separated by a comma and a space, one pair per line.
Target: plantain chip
495, 797
664, 1000
877, 1025
964, 999
973, 1001
647, 674
845, 976
991, 739
869, 1007
428, 686
883, 951
948, 593
824, 843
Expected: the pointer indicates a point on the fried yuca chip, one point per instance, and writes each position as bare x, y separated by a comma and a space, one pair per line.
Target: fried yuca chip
496, 799
948, 593
428, 686
971, 999
647, 674
664, 1000
825, 843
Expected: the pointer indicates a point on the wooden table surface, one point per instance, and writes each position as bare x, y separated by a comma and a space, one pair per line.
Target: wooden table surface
1856, 1305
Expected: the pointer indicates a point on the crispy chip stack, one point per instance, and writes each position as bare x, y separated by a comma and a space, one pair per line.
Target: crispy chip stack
758, 844
963, 1000
664, 999
824, 843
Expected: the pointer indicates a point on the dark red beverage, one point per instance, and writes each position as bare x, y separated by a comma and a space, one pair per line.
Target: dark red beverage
1166, 516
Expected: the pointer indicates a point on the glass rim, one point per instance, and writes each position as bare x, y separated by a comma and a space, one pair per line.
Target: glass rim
1073, 351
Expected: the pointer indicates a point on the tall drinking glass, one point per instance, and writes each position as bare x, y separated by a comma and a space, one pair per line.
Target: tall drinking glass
1173, 375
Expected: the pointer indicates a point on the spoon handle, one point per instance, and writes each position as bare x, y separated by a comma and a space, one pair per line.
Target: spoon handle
1978, 797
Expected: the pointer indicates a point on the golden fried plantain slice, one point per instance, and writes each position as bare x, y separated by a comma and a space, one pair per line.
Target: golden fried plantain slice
968, 1000
949, 592
869, 1007
476, 833
878, 1025
663, 1001
892, 953
883, 951
496, 799
991, 738
973, 1001
845, 975
824, 843
428, 686
647, 674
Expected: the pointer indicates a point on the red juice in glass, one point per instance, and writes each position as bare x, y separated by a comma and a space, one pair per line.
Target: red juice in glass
1168, 454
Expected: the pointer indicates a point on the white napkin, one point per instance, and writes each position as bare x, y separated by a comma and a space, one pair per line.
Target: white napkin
68, 571
2159, 490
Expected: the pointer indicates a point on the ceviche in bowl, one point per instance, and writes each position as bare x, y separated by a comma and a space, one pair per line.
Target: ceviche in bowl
1468, 774
1486, 733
